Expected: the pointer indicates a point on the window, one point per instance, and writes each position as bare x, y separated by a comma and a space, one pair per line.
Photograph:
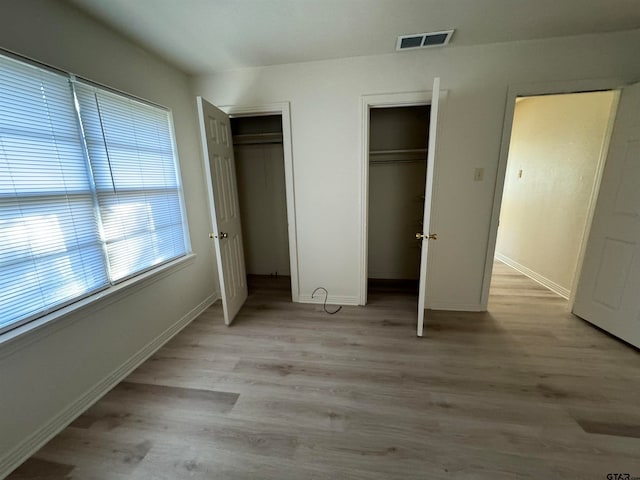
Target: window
89, 190
131, 150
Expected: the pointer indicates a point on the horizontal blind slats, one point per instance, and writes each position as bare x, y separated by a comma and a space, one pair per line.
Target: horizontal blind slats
61, 218
131, 151
50, 248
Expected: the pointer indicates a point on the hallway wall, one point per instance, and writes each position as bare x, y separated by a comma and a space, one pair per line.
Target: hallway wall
556, 145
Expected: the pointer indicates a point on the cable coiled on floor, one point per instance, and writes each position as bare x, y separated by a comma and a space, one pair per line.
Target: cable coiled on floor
324, 305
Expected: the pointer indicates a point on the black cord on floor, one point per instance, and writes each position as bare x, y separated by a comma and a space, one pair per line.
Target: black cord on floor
324, 305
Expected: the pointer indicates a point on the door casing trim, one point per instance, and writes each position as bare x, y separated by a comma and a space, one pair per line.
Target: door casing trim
531, 90
367, 102
283, 109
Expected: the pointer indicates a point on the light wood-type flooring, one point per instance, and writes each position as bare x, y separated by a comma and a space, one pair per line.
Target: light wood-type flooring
526, 391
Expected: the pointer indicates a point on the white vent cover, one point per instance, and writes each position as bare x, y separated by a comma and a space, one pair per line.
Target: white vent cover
424, 40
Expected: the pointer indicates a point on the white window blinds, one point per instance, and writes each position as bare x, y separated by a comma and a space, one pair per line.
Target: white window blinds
89, 191
131, 150
50, 248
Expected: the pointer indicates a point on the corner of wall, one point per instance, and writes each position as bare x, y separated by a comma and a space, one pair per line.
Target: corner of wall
11, 460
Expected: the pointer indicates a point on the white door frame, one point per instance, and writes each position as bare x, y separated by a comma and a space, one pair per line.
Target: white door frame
530, 90
283, 109
367, 102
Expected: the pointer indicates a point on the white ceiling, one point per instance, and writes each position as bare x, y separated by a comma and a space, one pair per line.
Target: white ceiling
211, 35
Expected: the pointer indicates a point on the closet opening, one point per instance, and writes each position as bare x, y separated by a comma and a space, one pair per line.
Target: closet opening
260, 174
397, 170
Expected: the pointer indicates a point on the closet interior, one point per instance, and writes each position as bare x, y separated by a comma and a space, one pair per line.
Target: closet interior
397, 169
259, 158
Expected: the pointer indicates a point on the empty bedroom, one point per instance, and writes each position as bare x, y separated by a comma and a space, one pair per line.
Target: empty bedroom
337, 239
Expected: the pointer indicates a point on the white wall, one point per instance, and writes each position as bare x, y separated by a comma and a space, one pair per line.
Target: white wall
326, 135
556, 143
42, 375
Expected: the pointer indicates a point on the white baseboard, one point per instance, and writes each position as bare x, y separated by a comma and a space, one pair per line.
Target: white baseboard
35, 441
536, 277
332, 300
457, 307
345, 300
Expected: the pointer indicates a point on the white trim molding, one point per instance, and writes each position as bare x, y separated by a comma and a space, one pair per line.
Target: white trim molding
37, 439
536, 277
455, 307
529, 90
283, 109
331, 300
399, 99
33, 331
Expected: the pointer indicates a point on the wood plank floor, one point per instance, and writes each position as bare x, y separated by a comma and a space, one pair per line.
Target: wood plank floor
289, 392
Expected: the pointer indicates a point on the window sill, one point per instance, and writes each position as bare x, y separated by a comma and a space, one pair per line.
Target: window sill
30, 332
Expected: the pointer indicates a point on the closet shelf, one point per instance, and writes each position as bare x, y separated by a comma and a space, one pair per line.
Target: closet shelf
257, 138
397, 156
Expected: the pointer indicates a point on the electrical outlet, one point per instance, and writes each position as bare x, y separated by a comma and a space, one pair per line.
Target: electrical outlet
478, 175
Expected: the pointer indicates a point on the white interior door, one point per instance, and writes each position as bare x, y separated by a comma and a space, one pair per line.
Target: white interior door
223, 201
426, 234
608, 293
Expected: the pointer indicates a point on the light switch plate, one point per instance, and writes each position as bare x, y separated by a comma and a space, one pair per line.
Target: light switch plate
478, 175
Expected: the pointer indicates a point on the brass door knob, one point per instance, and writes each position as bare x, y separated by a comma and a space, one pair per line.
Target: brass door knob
222, 235
431, 236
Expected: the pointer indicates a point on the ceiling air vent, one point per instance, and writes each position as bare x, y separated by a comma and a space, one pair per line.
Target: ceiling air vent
424, 40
